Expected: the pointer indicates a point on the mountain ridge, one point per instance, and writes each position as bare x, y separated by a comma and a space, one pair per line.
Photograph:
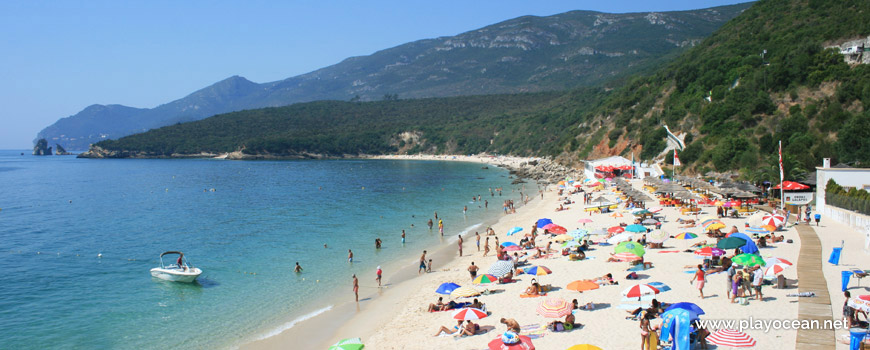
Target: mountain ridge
524, 54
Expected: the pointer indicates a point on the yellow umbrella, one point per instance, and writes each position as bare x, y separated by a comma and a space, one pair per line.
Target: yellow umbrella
464, 292
563, 238
715, 226
583, 347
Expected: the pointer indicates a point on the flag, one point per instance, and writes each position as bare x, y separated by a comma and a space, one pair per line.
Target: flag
781, 173
675, 139
676, 158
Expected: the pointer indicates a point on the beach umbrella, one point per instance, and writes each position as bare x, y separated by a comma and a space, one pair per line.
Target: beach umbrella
348, 344
544, 222
581, 286
519, 342
553, 307
512, 248
686, 235
584, 221
446, 288
501, 268
485, 279
748, 260
773, 220
563, 238
538, 271
649, 222
616, 214
619, 238
859, 304
469, 313
731, 243
749, 247
570, 244
732, 338
583, 347
660, 286
693, 308
791, 186
641, 212
626, 256
630, 247
769, 228
635, 228
578, 233
657, 237
714, 226
775, 269
616, 229
865, 297
557, 229
639, 290
774, 261
598, 232
709, 251
508, 244
756, 230
514, 230
464, 292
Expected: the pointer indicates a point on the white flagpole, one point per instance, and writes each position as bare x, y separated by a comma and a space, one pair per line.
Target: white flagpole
781, 175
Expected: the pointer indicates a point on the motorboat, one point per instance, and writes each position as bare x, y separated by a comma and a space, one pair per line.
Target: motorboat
181, 271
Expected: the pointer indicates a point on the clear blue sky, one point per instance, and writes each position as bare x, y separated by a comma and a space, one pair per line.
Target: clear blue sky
58, 57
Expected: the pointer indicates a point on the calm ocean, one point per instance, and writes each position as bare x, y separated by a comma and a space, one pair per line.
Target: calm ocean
58, 213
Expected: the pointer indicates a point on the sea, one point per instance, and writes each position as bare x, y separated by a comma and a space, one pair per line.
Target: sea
79, 236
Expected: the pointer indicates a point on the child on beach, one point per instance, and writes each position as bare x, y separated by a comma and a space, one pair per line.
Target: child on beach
486, 247
700, 279
429, 268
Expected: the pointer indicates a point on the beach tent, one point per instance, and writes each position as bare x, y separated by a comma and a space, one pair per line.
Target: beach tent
749, 247
676, 325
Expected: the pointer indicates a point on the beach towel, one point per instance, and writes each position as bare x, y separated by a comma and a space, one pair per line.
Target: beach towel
802, 294
533, 331
669, 251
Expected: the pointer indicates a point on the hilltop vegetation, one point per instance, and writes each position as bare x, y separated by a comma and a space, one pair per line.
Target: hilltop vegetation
733, 104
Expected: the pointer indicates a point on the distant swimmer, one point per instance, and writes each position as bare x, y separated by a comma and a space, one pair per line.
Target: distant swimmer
403, 236
349, 256
324, 245
430, 224
378, 243
298, 268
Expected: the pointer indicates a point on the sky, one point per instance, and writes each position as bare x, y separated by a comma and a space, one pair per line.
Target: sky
58, 57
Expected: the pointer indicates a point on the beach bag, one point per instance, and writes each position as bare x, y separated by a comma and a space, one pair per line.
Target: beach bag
631, 276
780, 282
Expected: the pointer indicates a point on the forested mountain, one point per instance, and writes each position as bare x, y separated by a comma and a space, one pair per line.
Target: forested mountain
733, 104
525, 54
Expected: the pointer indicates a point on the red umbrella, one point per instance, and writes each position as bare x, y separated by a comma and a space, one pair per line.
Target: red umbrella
864, 297
512, 248
775, 220
469, 314
709, 251
557, 229
616, 229
732, 338
791, 186
525, 343
640, 290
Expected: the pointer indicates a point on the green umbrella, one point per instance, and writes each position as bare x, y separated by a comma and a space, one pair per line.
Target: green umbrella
748, 260
348, 344
731, 243
629, 247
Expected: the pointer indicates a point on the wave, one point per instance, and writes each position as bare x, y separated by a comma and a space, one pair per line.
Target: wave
293, 323
464, 232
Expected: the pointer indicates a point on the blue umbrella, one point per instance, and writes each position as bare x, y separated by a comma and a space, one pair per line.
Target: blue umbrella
508, 244
660, 286
750, 247
514, 230
693, 308
544, 222
446, 288
676, 324
578, 233
635, 228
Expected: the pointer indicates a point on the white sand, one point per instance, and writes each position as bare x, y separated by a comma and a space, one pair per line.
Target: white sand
409, 326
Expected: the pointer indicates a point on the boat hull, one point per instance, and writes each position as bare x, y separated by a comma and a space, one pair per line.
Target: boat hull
176, 275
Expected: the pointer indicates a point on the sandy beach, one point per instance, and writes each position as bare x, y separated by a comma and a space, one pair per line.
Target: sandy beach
397, 318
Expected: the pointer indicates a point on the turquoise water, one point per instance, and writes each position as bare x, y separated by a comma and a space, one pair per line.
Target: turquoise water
58, 213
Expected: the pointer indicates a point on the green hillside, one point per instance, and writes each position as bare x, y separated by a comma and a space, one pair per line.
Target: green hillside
799, 92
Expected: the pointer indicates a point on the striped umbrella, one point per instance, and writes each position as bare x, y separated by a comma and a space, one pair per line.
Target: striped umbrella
485, 279
584, 221
775, 269
748, 260
554, 307
468, 313
626, 256
686, 235
583, 347
756, 230
581, 286
538, 271
774, 261
635, 228
348, 344
773, 220
501, 268
657, 237
640, 290
709, 251
732, 338
660, 286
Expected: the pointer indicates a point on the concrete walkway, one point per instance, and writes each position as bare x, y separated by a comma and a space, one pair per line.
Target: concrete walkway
811, 278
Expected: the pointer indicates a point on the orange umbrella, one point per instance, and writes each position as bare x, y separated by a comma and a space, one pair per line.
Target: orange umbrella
616, 214
769, 228
581, 286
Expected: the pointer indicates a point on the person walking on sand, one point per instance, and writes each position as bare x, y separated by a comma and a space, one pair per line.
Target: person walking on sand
699, 279
477, 239
298, 268
460, 244
378, 273
472, 270
356, 288
349, 256
486, 247
422, 263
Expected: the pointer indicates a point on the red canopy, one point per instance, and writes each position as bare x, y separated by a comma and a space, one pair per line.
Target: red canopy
791, 186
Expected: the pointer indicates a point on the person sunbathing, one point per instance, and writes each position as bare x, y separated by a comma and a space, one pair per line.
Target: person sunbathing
476, 304
699, 244
776, 239
470, 328
450, 331
558, 326
507, 278
437, 306
534, 289
606, 279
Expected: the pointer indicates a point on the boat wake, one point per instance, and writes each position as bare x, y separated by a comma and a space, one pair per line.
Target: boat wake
293, 323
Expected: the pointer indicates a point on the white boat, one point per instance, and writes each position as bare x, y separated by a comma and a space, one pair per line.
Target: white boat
181, 271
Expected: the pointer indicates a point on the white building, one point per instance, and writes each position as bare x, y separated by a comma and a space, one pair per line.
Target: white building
845, 177
641, 170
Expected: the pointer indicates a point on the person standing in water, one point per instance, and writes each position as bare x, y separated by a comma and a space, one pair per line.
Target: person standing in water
464, 209
378, 278
298, 268
349, 256
441, 226
403, 236
430, 224
356, 288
